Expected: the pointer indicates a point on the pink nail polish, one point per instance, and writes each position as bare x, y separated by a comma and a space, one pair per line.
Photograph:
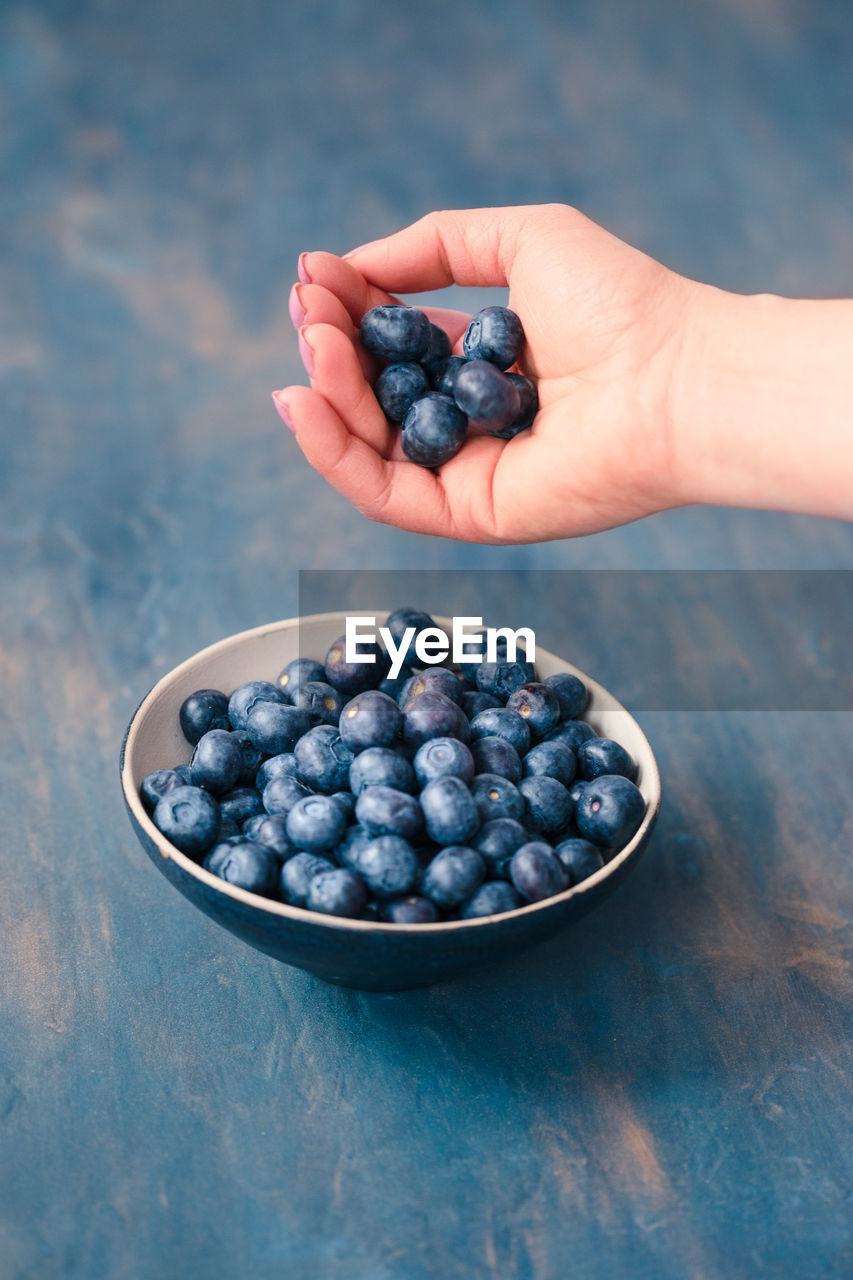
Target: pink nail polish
302, 270
360, 248
295, 307
283, 410
306, 355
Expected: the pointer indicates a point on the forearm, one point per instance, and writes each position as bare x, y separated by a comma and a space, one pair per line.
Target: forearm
762, 408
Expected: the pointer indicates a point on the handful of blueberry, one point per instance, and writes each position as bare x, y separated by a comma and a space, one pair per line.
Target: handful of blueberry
436, 395
445, 793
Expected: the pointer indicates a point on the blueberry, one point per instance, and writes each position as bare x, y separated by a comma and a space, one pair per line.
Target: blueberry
275, 728
444, 373
498, 840
217, 762
580, 858
609, 811
337, 893
382, 811
441, 758
184, 772
496, 797
494, 334
572, 694
202, 711
554, 759
473, 702
395, 333
602, 756
486, 395
322, 703
237, 806
574, 733
355, 677
503, 678
438, 349
528, 398
433, 715
370, 719
492, 899
434, 680
283, 766
536, 872
398, 387
323, 760
299, 671
220, 851
346, 800
449, 811
189, 817
477, 645
547, 804
401, 620
252, 758
381, 767
434, 430
296, 876
498, 722
496, 755
156, 784
316, 824
247, 696
394, 686
248, 865
355, 839
410, 910
453, 876
270, 830
538, 705
282, 793
388, 866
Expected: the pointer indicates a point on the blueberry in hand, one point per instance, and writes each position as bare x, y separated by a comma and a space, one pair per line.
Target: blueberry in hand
337, 893
316, 824
189, 817
433, 715
528, 398
554, 759
270, 829
453, 876
355, 677
382, 811
536, 872
395, 333
602, 756
580, 858
434, 430
444, 373
247, 865
283, 766
381, 767
217, 762
410, 910
298, 672
486, 395
449, 811
608, 812
496, 755
370, 719
322, 703
443, 757
388, 866
438, 348
494, 334
296, 875
398, 387
492, 899
496, 797
275, 728
203, 710
547, 804
538, 706
572, 694
323, 759
156, 784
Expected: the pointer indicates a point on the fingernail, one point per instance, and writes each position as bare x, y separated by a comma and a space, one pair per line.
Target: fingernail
302, 270
306, 355
295, 307
283, 410
361, 248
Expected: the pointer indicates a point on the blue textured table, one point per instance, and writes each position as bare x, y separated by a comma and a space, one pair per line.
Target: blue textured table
665, 1091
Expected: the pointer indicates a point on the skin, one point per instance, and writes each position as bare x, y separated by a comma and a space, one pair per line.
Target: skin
655, 391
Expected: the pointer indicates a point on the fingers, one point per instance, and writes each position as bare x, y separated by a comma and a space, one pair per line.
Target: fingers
341, 278
312, 304
462, 246
335, 371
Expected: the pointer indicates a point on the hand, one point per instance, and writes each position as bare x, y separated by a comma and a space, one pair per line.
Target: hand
602, 323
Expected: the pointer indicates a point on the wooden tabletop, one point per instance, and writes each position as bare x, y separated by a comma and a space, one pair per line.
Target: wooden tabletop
663, 1092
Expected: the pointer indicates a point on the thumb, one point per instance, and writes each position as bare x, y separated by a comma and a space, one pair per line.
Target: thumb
458, 246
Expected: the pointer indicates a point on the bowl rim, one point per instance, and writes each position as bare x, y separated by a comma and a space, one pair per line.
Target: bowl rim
284, 910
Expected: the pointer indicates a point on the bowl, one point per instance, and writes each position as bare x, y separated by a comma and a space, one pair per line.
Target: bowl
355, 953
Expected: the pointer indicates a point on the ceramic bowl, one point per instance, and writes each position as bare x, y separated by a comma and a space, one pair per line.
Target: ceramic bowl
355, 953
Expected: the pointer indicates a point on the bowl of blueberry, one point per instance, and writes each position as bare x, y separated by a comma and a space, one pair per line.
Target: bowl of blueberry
386, 832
